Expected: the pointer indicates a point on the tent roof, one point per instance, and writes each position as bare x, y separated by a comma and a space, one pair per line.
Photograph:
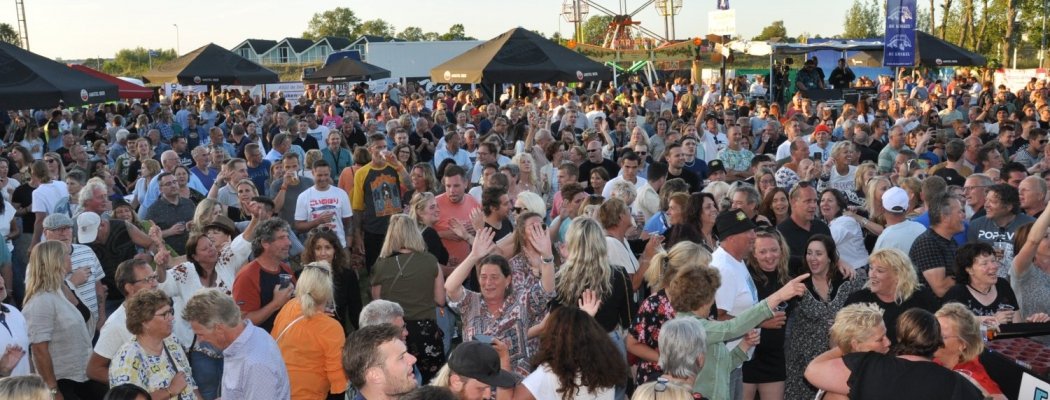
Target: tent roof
30, 80
345, 70
125, 89
519, 56
211, 65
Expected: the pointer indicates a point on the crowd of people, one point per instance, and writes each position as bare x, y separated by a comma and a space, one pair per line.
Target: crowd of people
562, 242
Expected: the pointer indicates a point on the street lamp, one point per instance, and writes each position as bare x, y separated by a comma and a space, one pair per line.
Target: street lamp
177, 51
575, 11
668, 9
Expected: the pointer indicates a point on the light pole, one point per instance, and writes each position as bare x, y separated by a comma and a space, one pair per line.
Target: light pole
177, 51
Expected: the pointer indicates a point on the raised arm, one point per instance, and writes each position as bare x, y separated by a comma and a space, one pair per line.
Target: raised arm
1026, 255
482, 245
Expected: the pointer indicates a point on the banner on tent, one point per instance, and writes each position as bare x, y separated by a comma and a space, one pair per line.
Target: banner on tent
899, 43
292, 91
1015, 79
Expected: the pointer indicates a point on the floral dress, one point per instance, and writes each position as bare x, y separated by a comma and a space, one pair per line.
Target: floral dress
133, 365
653, 312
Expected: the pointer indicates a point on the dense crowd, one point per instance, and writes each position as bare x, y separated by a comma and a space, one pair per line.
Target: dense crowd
669, 241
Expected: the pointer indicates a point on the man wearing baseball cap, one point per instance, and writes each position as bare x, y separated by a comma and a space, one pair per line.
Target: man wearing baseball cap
113, 242
738, 292
475, 367
900, 232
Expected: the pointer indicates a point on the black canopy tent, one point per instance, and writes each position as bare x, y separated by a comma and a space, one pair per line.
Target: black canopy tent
211, 65
934, 52
347, 70
519, 56
29, 80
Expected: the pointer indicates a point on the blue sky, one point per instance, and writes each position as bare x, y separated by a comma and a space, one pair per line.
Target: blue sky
72, 29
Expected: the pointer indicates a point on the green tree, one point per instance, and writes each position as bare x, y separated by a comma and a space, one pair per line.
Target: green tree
772, 31
135, 61
375, 27
412, 34
863, 20
9, 35
595, 28
456, 32
339, 21
431, 36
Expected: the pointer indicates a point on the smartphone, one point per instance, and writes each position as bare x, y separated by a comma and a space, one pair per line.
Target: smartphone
483, 339
818, 156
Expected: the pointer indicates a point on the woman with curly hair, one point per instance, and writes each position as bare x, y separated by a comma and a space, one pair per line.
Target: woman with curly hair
576, 360
529, 177
154, 359
322, 245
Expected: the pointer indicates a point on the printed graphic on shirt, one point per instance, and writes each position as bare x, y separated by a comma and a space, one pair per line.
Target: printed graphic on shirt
320, 207
386, 195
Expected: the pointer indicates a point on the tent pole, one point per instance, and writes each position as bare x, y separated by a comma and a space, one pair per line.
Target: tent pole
772, 82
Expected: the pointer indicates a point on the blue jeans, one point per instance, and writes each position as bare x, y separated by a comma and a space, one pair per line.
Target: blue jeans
621, 346
207, 371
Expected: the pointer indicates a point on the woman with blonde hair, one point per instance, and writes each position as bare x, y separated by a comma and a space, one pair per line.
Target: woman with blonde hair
149, 169
205, 213
312, 156
28, 387
865, 171
311, 341
58, 323
409, 275
858, 328
913, 186
529, 177
587, 267
893, 285
644, 334
963, 345
424, 210
55, 166
873, 191
246, 190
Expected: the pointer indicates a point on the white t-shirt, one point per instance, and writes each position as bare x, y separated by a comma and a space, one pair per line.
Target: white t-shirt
9, 189
543, 384
320, 133
114, 334
738, 292
843, 182
899, 236
639, 182
313, 203
849, 238
51, 198
15, 335
6, 217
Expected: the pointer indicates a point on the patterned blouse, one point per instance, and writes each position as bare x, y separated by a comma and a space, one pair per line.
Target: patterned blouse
132, 365
523, 308
653, 312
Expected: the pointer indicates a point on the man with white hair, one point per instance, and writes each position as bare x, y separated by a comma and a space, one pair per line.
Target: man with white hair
119, 146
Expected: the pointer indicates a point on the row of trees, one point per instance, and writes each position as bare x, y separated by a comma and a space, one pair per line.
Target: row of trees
342, 22
993, 28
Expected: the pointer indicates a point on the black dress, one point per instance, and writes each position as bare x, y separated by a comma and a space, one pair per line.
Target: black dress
768, 363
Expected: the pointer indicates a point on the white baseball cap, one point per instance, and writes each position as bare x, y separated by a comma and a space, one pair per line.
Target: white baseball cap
87, 227
895, 200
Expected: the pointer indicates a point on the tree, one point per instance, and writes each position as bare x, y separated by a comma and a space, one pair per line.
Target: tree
411, 34
1009, 40
595, 28
375, 27
456, 32
9, 35
863, 20
135, 61
431, 36
774, 30
339, 21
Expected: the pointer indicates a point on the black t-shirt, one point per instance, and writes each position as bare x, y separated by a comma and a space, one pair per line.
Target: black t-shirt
879, 376
117, 248
797, 238
924, 299
587, 166
616, 307
505, 229
267, 282
1005, 297
23, 197
689, 177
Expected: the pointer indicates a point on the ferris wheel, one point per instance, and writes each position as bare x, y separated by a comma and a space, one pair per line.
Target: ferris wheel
624, 30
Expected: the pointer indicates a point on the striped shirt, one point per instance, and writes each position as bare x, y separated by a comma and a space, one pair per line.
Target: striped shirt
84, 257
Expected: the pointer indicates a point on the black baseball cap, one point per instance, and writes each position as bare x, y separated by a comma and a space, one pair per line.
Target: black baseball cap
480, 361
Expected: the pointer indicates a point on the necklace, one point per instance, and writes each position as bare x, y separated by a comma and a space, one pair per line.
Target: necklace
986, 292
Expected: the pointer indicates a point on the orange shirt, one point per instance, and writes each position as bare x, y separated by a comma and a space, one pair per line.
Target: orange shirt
312, 351
457, 249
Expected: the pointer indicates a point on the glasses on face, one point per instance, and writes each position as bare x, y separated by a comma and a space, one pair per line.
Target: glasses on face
318, 267
321, 228
592, 150
50, 160
148, 279
518, 210
166, 314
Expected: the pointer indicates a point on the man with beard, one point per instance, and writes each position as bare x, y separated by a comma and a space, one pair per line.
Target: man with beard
377, 363
455, 207
261, 287
475, 367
